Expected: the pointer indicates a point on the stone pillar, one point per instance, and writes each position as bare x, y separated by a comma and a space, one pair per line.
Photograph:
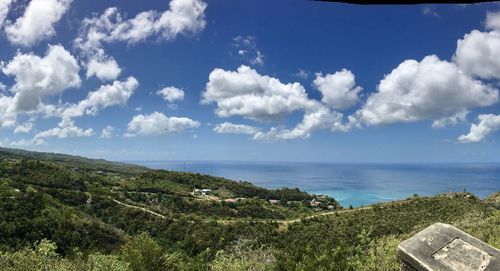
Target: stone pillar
445, 248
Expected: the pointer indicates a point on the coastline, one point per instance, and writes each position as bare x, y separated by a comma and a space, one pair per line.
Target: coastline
355, 184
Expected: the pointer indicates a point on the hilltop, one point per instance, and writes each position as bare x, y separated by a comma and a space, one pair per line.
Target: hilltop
71, 161
84, 213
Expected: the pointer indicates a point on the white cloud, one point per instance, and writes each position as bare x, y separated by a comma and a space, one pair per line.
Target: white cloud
104, 69
22, 143
247, 50
66, 128
158, 124
323, 118
451, 120
38, 21
171, 94
487, 125
117, 93
182, 17
4, 10
430, 11
258, 59
231, 128
107, 132
24, 128
301, 73
339, 90
26, 143
244, 41
262, 98
246, 93
478, 53
493, 20
8, 115
429, 89
38, 77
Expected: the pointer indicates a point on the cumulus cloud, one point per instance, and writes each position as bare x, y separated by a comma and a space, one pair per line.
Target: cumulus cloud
246, 93
231, 128
171, 94
38, 21
339, 90
322, 118
259, 97
66, 128
24, 128
488, 124
429, 89
103, 68
182, 17
4, 10
117, 93
157, 124
451, 120
38, 77
8, 115
478, 53
107, 132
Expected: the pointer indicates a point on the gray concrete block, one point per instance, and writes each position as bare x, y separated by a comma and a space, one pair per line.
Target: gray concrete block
442, 247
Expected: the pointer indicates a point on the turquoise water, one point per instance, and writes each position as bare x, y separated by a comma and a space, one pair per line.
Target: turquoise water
352, 184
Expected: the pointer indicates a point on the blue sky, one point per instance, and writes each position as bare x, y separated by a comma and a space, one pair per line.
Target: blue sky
251, 80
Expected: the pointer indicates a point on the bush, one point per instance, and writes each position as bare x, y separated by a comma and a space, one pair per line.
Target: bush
101, 262
143, 253
42, 257
244, 256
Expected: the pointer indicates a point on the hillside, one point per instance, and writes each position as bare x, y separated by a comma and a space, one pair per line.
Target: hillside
99, 215
71, 161
494, 200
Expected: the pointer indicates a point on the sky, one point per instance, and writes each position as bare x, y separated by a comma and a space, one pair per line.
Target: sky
251, 80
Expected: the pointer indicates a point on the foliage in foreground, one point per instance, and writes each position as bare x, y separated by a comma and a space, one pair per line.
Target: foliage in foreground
69, 213
338, 242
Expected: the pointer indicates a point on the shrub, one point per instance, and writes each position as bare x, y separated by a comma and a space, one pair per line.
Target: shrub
143, 253
101, 262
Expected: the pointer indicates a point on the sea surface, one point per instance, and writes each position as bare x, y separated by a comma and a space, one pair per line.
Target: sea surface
352, 184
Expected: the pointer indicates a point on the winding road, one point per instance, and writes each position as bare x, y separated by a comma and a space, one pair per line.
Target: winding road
279, 221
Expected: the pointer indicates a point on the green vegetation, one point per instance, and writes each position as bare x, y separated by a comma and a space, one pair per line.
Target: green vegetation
494, 200
70, 213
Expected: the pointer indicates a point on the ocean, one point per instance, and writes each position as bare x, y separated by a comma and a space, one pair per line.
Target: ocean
352, 184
